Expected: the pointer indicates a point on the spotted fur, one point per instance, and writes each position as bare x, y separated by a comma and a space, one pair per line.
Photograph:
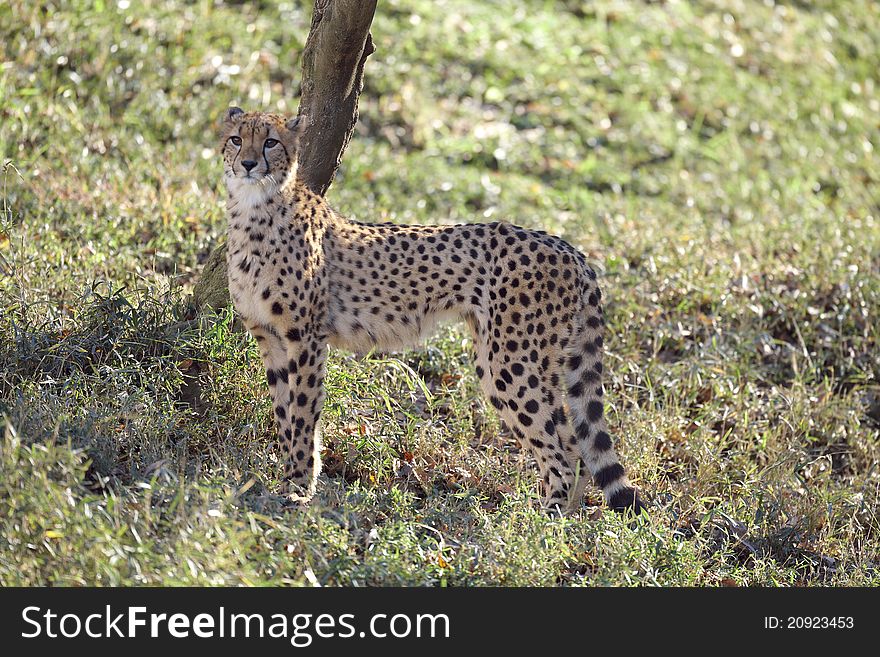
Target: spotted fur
302, 277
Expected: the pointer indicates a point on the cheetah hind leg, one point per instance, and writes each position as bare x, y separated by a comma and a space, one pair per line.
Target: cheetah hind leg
529, 416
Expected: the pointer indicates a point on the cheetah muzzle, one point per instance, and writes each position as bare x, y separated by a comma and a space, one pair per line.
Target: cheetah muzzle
302, 277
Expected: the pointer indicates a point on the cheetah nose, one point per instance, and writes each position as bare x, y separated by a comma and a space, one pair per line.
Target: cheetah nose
248, 164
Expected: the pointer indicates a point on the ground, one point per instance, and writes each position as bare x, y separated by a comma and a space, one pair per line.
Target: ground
715, 160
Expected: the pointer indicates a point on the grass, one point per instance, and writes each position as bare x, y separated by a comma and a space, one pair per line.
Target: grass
717, 161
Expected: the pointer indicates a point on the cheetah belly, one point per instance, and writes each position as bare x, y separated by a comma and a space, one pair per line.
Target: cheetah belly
366, 332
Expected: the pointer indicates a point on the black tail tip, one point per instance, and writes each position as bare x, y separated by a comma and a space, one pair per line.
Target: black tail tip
627, 500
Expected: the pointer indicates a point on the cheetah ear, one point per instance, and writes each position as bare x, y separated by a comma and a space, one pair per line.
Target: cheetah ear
297, 125
230, 117
232, 113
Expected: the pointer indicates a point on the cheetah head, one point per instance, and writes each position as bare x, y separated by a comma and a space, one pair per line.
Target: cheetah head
259, 151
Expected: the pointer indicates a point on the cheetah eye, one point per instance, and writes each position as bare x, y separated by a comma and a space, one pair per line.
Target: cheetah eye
235, 140
271, 142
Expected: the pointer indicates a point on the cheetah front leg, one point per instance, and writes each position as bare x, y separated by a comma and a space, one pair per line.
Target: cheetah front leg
273, 352
295, 373
306, 361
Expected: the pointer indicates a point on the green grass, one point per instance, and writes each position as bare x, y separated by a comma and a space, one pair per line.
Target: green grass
716, 160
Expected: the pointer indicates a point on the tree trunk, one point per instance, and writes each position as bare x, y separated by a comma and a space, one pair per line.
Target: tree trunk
336, 50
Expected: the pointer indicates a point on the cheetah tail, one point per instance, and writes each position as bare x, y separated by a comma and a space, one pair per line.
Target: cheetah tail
583, 371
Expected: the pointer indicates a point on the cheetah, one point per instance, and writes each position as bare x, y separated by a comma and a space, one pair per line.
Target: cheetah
302, 277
